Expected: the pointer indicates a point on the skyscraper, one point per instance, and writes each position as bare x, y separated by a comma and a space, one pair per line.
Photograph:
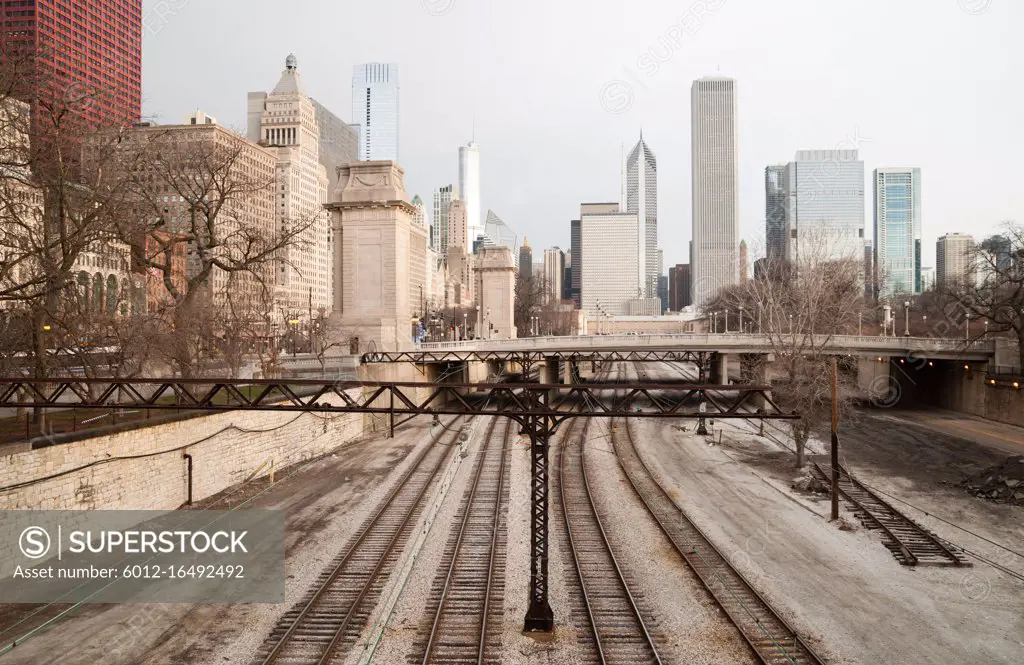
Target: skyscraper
567, 278
526, 260
775, 213
554, 267
86, 54
744, 262
715, 186
458, 227
825, 205
642, 200
375, 109
339, 141
499, 233
998, 253
576, 251
897, 241
419, 217
443, 198
469, 186
953, 254
679, 286
612, 275
287, 124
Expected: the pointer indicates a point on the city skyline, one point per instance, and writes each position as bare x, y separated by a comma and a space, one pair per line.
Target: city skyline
523, 106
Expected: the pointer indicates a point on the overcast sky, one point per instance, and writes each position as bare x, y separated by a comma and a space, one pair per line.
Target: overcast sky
557, 86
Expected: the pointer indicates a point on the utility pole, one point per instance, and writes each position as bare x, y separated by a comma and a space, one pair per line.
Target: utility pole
835, 439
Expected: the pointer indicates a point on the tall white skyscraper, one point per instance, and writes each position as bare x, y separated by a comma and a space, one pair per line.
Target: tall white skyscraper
286, 122
897, 245
824, 210
469, 188
715, 187
642, 200
375, 109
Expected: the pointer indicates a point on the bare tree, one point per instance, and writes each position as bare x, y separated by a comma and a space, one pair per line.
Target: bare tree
55, 206
800, 308
530, 293
205, 193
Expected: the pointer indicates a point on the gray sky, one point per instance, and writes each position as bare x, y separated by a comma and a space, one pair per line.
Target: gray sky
929, 83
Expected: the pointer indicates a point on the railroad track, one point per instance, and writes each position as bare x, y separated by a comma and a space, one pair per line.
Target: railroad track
328, 621
909, 542
620, 633
465, 608
768, 634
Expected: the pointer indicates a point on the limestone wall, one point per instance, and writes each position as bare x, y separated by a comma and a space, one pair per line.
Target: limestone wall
143, 469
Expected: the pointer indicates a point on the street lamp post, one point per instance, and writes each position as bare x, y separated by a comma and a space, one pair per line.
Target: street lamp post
906, 319
488, 323
714, 322
465, 325
860, 322
741, 318
293, 323
967, 326
726, 313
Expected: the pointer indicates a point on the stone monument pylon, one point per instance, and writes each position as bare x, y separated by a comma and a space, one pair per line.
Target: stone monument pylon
380, 257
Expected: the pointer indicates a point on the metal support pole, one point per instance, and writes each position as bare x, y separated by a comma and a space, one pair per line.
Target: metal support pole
188, 459
835, 440
702, 428
391, 415
539, 617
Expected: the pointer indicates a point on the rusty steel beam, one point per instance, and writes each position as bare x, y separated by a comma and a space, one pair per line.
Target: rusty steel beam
423, 357
517, 400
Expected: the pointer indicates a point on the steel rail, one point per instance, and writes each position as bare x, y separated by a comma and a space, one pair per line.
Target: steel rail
803, 653
648, 639
453, 565
285, 639
910, 557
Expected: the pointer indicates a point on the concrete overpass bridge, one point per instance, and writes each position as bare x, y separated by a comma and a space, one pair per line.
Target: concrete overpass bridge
909, 366
731, 343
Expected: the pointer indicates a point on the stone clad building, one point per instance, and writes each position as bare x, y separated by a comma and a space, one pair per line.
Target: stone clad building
286, 122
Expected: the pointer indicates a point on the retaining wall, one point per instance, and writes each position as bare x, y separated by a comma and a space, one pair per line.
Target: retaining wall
144, 468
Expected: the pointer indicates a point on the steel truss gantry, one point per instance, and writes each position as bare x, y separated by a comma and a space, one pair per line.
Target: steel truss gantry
529, 357
538, 408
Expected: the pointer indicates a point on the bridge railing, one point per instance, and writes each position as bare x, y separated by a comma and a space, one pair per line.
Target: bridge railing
718, 340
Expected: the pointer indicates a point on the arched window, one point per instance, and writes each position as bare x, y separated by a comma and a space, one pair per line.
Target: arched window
111, 295
97, 293
83, 290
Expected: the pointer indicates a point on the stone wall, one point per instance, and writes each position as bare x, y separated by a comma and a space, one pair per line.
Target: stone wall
144, 468
968, 392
